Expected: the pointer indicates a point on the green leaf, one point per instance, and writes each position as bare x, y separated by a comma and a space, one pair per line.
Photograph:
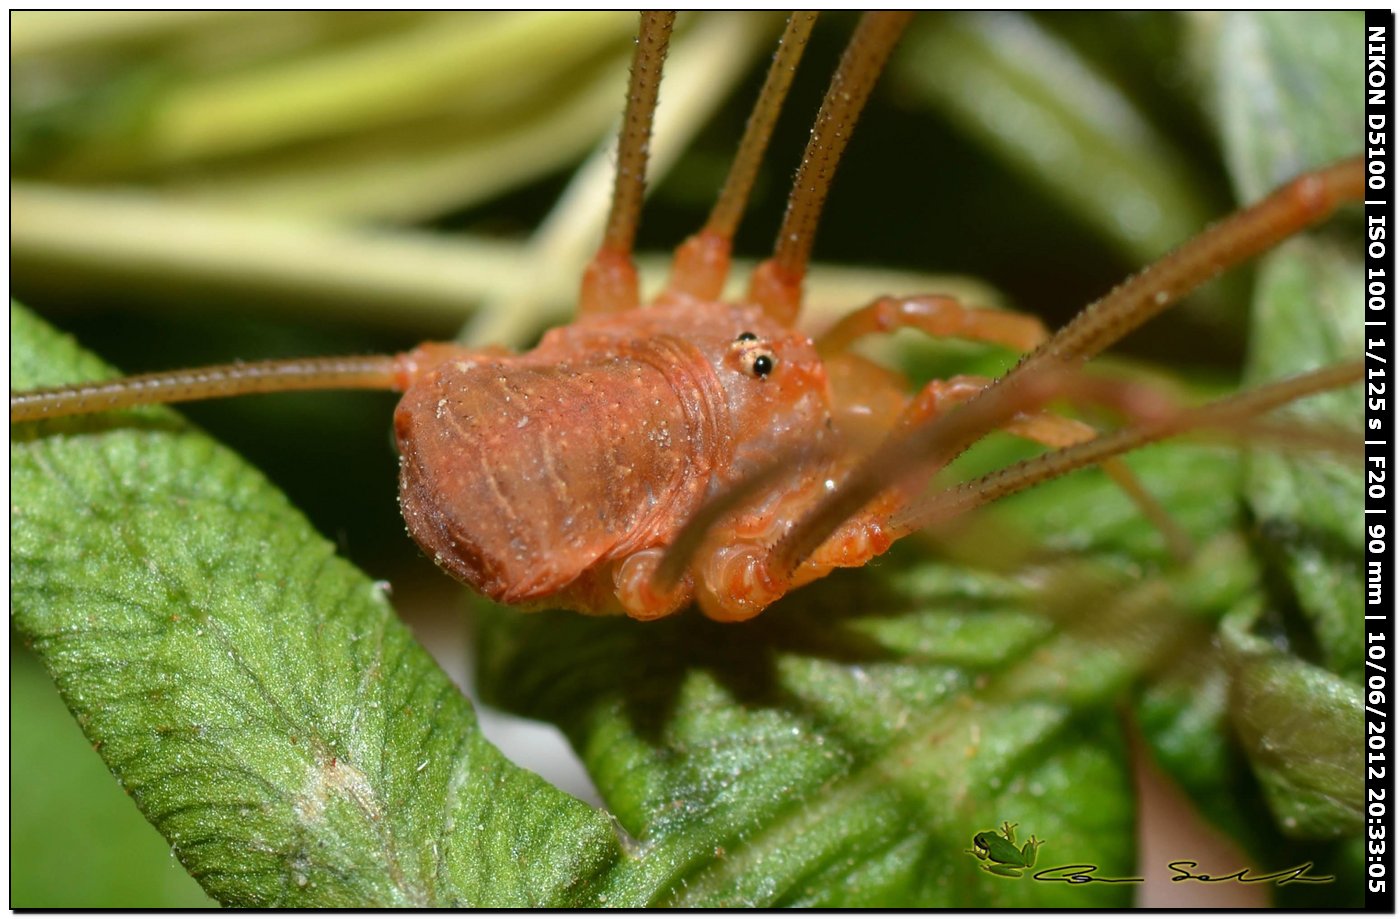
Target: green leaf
78, 817
1309, 511
1185, 717
1286, 90
1288, 102
255, 694
844, 747
804, 760
1302, 729
1034, 101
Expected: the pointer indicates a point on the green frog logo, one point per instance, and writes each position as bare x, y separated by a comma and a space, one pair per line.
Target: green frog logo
998, 852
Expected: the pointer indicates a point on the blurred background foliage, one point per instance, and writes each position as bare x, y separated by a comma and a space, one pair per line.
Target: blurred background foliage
199, 187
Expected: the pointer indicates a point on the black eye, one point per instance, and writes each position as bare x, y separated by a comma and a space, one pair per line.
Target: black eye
752, 355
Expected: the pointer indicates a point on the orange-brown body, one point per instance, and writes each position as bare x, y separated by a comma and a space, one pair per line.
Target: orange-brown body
557, 476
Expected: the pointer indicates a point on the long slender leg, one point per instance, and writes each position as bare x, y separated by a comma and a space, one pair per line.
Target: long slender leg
702, 261
610, 280
375, 372
388, 372
1051, 430
777, 283
1227, 413
1303, 202
937, 315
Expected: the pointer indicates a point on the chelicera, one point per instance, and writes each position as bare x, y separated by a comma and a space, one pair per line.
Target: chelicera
691, 448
